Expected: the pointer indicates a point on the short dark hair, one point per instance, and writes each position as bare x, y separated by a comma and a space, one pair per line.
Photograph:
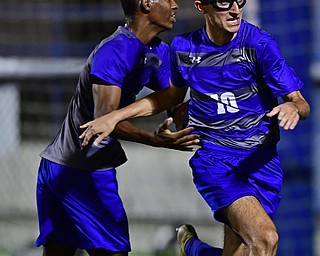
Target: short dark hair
129, 8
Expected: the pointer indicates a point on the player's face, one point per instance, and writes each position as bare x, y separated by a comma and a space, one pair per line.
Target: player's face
222, 21
163, 12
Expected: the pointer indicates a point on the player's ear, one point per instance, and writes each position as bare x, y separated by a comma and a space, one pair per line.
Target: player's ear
146, 4
199, 6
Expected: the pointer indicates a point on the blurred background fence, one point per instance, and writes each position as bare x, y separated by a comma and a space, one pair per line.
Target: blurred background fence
43, 45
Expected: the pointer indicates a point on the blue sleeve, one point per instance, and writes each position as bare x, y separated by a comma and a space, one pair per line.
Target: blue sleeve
278, 75
176, 75
161, 77
108, 63
164, 69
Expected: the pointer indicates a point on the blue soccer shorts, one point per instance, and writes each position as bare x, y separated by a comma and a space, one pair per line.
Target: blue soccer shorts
81, 209
223, 175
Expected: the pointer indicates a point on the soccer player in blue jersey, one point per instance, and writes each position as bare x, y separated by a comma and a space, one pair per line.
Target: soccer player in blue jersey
77, 192
236, 73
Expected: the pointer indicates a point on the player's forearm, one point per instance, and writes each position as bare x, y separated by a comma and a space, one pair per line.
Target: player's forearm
140, 108
303, 109
127, 131
299, 102
150, 105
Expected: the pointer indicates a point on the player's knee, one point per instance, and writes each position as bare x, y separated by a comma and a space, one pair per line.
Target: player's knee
266, 243
272, 238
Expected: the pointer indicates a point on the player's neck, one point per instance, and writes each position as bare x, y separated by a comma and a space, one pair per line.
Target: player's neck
144, 31
219, 36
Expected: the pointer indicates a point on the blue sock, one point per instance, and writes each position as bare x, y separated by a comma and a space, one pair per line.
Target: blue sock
195, 247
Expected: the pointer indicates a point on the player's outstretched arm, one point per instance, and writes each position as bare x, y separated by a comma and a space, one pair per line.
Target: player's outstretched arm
152, 104
162, 137
294, 108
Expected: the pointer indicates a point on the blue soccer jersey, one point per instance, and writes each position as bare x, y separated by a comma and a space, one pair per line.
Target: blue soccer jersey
233, 86
121, 60
124, 61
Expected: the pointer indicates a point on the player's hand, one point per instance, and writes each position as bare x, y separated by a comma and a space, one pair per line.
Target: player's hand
288, 115
103, 126
181, 140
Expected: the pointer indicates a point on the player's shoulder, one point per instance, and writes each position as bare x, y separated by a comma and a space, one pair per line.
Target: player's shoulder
189, 35
122, 40
187, 38
254, 34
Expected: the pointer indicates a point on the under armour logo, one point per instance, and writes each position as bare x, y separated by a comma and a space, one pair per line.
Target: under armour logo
195, 59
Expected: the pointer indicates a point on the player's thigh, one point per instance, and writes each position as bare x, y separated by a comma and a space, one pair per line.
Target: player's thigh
247, 218
53, 249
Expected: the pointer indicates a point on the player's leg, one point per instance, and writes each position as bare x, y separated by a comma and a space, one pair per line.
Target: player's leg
250, 232
191, 245
250, 217
233, 244
54, 223
52, 249
81, 209
250, 223
232, 178
100, 214
103, 252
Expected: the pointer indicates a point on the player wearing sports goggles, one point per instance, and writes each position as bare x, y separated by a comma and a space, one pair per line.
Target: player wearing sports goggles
224, 5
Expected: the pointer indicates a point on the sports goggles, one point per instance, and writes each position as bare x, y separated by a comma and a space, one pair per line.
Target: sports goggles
224, 5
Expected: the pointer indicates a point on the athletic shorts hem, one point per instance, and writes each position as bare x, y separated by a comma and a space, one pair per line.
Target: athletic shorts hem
107, 247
